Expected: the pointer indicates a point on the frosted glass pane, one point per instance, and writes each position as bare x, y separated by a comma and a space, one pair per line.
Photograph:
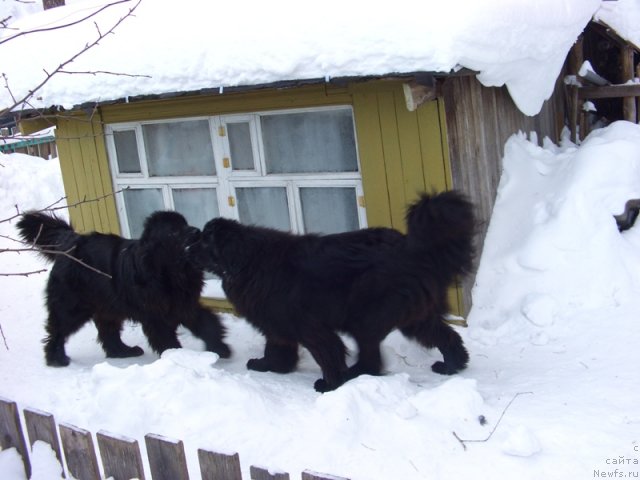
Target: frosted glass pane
264, 206
309, 142
329, 210
140, 203
198, 205
240, 146
127, 151
179, 148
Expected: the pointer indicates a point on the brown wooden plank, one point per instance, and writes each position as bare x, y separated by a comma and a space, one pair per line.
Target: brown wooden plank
166, 458
79, 452
309, 475
11, 435
42, 426
121, 457
218, 466
258, 473
610, 91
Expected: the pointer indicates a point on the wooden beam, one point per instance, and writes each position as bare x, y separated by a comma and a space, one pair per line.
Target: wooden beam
610, 91
420, 90
628, 103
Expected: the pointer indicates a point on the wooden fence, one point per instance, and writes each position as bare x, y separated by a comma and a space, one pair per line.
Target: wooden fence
120, 456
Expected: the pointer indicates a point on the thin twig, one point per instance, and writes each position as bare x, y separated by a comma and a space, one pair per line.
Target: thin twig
104, 72
463, 442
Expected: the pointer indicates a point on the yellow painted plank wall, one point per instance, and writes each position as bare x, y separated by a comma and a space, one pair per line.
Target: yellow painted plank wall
402, 153
85, 173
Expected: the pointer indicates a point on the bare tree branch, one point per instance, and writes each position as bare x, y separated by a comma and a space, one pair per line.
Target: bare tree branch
60, 67
58, 27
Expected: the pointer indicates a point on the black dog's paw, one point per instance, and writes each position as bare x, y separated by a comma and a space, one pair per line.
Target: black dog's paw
59, 361
126, 352
222, 350
322, 386
258, 364
444, 369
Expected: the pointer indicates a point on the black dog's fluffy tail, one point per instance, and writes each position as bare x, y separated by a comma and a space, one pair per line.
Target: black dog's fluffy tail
48, 233
442, 226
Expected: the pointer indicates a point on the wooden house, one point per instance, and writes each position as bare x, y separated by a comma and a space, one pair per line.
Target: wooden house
323, 155
134, 156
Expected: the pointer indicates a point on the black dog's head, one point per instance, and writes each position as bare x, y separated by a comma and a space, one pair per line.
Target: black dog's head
169, 231
220, 247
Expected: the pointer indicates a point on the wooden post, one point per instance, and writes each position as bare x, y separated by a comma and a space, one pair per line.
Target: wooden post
258, 473
628, 103
574, 112
77, 444
575, 60
309, 475
121, 457
166, 458
42, 426
218, 466
11, 435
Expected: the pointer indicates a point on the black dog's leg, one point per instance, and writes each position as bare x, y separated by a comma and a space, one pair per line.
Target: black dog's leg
329, 352
109, 328
206, 325
279, 357
160, 335
434, 332
369, 359
61, 324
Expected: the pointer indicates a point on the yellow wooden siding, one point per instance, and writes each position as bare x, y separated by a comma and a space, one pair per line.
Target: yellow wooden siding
402, 153
86, 175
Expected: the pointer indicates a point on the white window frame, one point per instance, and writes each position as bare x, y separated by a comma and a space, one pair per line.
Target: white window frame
226, 180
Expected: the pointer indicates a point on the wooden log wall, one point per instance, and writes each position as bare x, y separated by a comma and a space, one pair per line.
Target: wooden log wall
479, 122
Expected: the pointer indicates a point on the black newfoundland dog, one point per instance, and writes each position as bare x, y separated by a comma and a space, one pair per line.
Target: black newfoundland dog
304, 289
109, 278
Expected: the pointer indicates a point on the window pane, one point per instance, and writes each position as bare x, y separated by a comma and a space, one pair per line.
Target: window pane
240, 146
309, 142
329, 210
140, 203
127, 151
265, 206
179, 148
198, 205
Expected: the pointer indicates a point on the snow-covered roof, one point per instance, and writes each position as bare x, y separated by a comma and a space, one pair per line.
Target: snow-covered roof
166, 46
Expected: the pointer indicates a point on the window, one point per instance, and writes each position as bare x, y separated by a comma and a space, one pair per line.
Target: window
294, 170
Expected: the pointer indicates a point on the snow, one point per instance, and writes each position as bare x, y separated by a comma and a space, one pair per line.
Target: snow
211, 45
550, 392
624, 17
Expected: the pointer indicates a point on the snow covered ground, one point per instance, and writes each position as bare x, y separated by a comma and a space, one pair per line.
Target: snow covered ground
553, 336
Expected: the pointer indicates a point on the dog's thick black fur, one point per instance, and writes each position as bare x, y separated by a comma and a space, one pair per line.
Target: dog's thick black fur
150, 280
304, 289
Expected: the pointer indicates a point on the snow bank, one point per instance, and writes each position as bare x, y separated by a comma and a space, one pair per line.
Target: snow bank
553, 246
169, 47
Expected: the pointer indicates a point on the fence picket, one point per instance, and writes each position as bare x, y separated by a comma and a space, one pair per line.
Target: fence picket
309, 475
41, 426
11, 435
77, 444
167, 460
121, 457
218, 466
258, 473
